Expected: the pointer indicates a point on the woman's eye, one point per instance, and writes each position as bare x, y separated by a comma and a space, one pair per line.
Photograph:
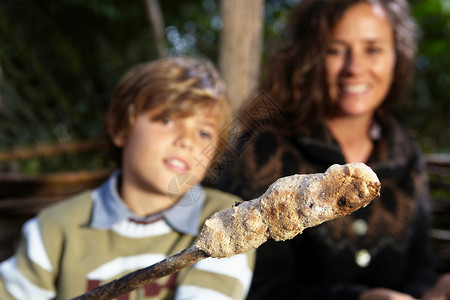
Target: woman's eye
331, 51
334, 51
373, 50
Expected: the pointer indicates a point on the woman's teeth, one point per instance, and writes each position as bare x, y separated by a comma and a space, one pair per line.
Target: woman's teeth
355, 88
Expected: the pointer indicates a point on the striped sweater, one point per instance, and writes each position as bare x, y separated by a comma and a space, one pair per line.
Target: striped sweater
61, 255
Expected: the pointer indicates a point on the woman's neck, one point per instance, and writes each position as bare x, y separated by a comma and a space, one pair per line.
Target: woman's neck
352, 134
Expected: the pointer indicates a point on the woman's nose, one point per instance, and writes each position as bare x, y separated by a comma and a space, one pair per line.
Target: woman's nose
353, 63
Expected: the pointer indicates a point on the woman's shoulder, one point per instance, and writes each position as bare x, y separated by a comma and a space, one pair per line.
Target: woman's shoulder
264, 142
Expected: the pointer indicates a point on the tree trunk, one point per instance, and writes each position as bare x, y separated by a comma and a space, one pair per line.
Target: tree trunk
240, 48
156, 21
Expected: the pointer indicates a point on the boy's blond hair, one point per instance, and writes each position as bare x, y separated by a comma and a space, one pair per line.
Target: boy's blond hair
177, 87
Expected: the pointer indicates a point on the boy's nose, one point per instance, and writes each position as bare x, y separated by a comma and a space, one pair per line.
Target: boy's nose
184, 139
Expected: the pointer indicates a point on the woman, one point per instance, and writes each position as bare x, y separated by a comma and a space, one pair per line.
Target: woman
331, 87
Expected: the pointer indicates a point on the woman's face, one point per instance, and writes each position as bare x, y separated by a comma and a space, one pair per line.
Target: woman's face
360, 60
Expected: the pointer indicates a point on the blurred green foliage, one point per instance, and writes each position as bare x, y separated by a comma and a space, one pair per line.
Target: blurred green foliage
428, 112
59, 62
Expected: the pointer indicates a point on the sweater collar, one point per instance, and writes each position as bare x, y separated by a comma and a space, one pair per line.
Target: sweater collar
109, 209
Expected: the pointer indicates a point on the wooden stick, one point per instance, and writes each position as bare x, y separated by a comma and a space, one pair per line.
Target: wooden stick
134, 280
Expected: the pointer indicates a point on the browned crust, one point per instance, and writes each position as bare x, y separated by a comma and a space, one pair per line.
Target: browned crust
290, 205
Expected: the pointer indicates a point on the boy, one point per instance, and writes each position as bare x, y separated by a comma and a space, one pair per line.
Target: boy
166, 124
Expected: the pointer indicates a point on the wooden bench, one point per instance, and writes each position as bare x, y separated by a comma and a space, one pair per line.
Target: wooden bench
23, 196
439, 175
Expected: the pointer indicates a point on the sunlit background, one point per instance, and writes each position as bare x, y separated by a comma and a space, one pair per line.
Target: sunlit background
59, 61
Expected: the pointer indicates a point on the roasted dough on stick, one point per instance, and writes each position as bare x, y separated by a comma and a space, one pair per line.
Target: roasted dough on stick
289, 205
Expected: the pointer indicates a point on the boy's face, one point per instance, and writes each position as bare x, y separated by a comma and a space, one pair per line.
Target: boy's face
158, 153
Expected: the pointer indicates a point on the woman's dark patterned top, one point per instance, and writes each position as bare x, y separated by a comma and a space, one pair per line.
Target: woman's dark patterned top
385, 244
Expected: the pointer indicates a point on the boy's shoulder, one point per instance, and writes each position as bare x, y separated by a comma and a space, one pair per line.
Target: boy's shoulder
76, 208
216, 200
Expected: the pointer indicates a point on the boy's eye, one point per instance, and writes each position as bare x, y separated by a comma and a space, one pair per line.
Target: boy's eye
205, 134
167, 120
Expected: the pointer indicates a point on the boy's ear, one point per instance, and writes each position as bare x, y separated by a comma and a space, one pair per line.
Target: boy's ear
119, 139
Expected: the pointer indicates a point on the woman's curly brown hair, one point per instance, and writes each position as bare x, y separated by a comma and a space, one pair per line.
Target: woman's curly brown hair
296, 77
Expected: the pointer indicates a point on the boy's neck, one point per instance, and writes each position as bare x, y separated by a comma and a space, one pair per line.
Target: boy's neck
143, 203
